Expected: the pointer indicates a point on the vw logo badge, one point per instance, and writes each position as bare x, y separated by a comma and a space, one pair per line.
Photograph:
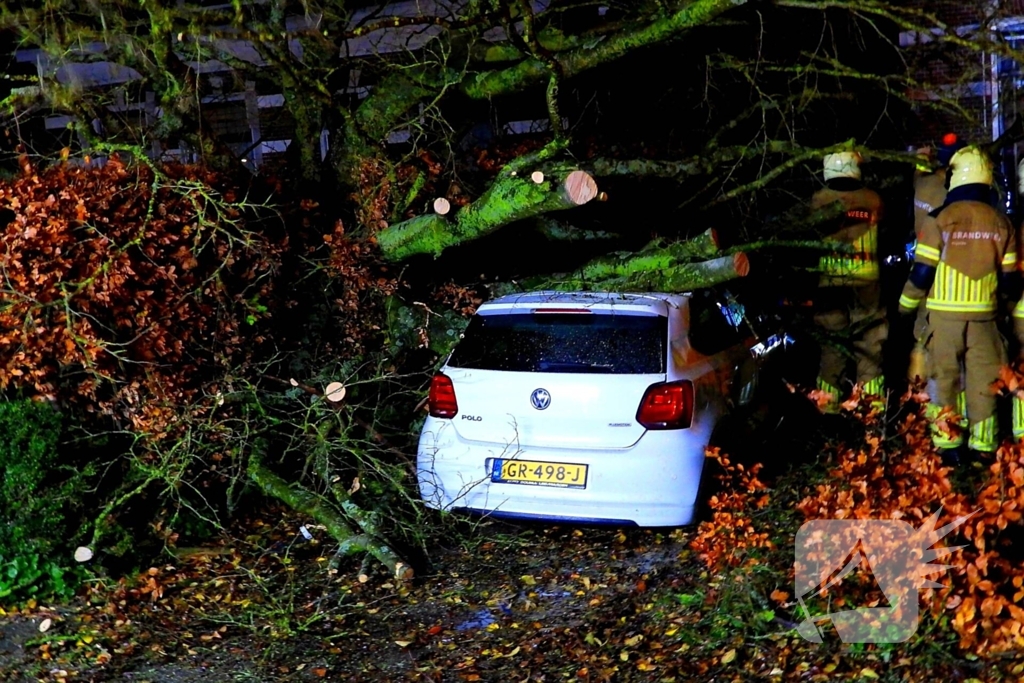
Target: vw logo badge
540, 398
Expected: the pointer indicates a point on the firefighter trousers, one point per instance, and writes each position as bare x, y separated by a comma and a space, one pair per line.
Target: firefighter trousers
1018, 401
918, 367
855, 319
976, 347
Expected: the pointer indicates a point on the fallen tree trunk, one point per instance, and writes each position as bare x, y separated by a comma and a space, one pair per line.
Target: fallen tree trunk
646, 274
512, 196
689, 276
324, 513
678, 277
653, 257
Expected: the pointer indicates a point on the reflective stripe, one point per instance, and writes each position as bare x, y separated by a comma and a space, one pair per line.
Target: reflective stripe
1018, 417
960, 308
848, 268
943, 440
954, 291
862, 264
940, 438
907, 301
983, 435
923, 204
961, 403
833, 403
1010, 259
923, 251
874, 386
1018, 310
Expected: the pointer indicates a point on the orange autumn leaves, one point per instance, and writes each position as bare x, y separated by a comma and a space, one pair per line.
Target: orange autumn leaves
887, 476
981, 591
731, 529
118, 286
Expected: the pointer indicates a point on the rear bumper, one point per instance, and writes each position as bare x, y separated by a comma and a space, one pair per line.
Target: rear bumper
650, 484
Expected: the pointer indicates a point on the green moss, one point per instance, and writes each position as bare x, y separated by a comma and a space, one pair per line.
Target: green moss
389, 104
37, 496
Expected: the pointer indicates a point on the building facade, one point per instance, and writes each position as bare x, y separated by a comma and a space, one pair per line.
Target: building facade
243, 110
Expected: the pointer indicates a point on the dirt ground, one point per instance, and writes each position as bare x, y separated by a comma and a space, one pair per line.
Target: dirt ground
519, 603
524, 604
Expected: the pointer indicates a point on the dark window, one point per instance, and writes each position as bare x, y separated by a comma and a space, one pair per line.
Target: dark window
558, 342
714, 327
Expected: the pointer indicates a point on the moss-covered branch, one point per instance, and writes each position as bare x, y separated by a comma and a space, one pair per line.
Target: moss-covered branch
512, 196
653, 257
556, 231
649, 168
534, 71
643, 276
324, 513
704, 163
676, 267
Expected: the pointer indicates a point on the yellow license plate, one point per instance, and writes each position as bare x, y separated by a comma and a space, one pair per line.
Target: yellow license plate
537, 473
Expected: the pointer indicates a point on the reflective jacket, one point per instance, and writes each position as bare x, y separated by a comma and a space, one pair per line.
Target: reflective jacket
1018, 322
1018, 310
858, 228
929, 195
958, 261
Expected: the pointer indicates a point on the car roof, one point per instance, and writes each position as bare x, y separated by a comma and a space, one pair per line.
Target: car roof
644, 302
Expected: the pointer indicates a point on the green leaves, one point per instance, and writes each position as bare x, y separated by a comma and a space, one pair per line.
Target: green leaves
37, 494
690, 599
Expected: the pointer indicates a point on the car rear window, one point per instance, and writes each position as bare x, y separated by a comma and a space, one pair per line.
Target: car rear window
564, 342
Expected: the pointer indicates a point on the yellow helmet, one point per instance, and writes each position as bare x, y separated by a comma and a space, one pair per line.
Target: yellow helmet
970, 165
842, 165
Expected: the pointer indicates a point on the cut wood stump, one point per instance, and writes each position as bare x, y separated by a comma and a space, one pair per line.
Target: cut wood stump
579, 187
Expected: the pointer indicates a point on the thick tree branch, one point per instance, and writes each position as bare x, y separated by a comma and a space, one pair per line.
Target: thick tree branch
645, 276
571, 63
324, 513
512, 196
653, 257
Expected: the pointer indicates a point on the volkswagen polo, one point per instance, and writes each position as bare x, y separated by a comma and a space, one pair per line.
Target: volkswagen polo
584, 407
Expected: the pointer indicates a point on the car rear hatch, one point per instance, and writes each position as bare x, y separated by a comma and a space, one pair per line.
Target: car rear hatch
556, 377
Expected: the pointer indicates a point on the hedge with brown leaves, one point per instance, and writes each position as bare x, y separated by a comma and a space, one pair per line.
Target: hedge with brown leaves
123, 285
982, 592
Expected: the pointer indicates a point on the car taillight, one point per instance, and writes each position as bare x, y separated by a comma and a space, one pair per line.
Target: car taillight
667, 405
442, 397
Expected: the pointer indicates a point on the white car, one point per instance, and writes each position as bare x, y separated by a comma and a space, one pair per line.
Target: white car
584, 407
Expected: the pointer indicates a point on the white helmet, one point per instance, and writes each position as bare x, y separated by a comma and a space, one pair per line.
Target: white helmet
842, 165
970, 165
1020, 177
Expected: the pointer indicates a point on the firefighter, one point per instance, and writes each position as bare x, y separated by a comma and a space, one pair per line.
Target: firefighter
849, 290
929, 195
960, 263
1018, 323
